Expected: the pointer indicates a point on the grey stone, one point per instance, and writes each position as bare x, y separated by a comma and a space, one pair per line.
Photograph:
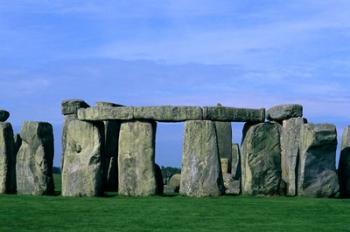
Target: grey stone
168, 113
82, 172
201, 172
107, 104
236, 162
106, 113
283, 112
290, 140
35, 159
4, 115
71, 106
344, 164
136, 156
17, 142
261, 159
224, 135
230, 114
317, 175
159, 180
174, 182
224, 162
7, 159
232, 186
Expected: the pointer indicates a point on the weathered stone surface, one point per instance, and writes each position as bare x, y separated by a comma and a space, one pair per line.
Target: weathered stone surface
174, 182
171, 113
82, 172
232, 186
168, 113
290, 140
159, 180
7, 159
261, 159
236, 162
224, 165
283, 112
71, 106
17, 142
224, 135
35, 159
201, 173
4, 115
107, 104
344, 164
136, 172
317, 175
230, 114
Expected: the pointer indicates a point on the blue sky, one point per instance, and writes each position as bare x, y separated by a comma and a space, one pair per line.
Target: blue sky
240, 53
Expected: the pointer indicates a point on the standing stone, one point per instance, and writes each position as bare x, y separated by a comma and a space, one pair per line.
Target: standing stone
174, 182
224, 165
7, 159
290, 140
4, 115
236, 162
83, 155
35, 159
159, 179
261, 159
201, 173
344, 164
317, 175
224, 135
136, 156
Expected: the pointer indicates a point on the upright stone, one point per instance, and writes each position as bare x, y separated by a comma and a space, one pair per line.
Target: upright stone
224, 135
136, 156
7, 159
110, 169
83, 155
35, 159
290, 140
317, 175
159, 180
224, 165
236, 162
4, 115
344, 164
261, 159
201, 173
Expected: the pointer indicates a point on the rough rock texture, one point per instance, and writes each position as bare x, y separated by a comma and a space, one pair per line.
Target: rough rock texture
201, 172
7, 159
317, 175
172, 113
232, 185
107, 104
261, 159
35, 159
283, 112
236, 162
290, 140
224, 165
136, 172
224, 135
159, 180
4, 115
71, 106
82, 173
344, 164
17, 142
174, 183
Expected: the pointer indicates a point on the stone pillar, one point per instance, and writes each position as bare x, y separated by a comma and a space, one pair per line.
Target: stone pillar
224, 135
136, 172
317, 175
344, 164
83, 155
232, 180
7, 159
201, 172
290, 140
35, 159
110, 169
261, 159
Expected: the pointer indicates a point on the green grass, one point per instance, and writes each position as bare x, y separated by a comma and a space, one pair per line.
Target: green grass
29, 213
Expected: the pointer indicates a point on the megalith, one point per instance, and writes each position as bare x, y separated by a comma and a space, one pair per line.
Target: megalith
282, 112
317, 175
224, 136
261, 159
201, 172
344, 164
4, 115
136, 172
35, 159
290, 140
174, 182
7, 159
82, 173
159, 179
232, 180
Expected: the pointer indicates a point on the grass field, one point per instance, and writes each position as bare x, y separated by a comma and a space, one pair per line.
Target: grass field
114, 213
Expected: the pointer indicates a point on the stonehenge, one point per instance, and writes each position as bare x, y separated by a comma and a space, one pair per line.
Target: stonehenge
111, 148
